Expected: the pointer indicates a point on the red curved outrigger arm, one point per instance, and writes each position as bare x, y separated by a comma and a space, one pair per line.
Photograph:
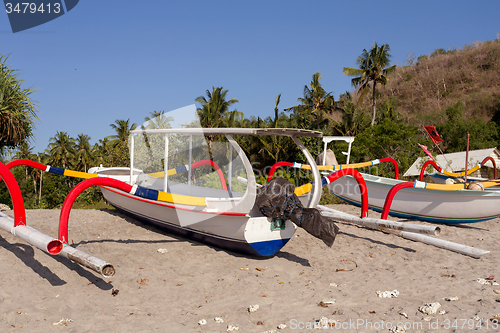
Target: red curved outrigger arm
276, 166
75, 192
15, 194
390, 196
439, 169
215, 166
426, 164
361, 183
494, 165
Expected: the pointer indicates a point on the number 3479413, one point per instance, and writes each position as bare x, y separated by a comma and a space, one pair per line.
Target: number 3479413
32, 8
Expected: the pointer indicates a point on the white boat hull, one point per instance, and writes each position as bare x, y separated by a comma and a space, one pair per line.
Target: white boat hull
235, 232
450, 207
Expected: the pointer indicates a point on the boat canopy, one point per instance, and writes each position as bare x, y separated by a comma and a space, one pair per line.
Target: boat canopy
234, 131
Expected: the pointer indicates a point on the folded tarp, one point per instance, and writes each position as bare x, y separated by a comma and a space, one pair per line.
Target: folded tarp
277, 200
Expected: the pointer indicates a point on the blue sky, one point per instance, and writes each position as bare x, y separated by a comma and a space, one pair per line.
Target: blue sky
121, 59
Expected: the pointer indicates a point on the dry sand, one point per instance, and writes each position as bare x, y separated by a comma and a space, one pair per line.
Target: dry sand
173, 291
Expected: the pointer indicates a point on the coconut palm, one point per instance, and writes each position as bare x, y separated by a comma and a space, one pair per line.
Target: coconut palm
17, 109
83, 151
24, 151
316, 102
276, 147
43, 159
353, 120
372, 70
61, 149
158, 120
123, 129
214, 110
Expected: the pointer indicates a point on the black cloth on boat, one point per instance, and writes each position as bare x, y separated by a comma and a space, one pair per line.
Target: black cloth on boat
277, 200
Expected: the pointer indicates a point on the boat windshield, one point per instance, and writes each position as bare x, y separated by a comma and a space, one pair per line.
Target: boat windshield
198, 165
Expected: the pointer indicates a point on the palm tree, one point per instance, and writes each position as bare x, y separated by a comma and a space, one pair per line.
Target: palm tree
353, 121
83, 151
316, 101
372, 71
214, 111
61, 149
275, 146
17, 109
158, 120
102, 152
123, 129
24, 151
41, 158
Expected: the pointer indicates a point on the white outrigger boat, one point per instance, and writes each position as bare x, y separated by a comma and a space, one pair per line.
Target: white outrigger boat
214, 208
451, 204
441, 203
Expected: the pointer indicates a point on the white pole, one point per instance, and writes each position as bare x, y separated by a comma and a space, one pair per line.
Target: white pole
190, 158
230, 168
317, 186
349, 152
455, 247
414, 232
40, 241
379, 224
324, 153
165, 164
131, 139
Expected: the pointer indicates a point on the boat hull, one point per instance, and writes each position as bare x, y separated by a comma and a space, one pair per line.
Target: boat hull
450, 207
231, 231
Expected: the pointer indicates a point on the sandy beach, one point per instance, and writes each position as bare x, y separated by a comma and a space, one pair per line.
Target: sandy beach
165, 283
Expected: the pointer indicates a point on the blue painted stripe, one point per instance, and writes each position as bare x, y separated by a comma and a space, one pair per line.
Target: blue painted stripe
323, 181
146, 193
57, 171
181, 169
268, 248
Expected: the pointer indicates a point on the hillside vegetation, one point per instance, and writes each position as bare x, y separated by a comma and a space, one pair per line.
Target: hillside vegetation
427, 86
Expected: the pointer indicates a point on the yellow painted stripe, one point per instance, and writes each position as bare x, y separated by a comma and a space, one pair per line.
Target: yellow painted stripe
181, 199
460, 174
78, 174
339, 167
490, 184
444, 187
455, 187
303, 189
160, 174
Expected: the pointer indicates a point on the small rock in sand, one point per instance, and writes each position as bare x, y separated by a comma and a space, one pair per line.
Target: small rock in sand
429, 308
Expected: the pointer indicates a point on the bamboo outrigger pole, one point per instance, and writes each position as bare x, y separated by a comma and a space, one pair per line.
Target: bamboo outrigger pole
415, 232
